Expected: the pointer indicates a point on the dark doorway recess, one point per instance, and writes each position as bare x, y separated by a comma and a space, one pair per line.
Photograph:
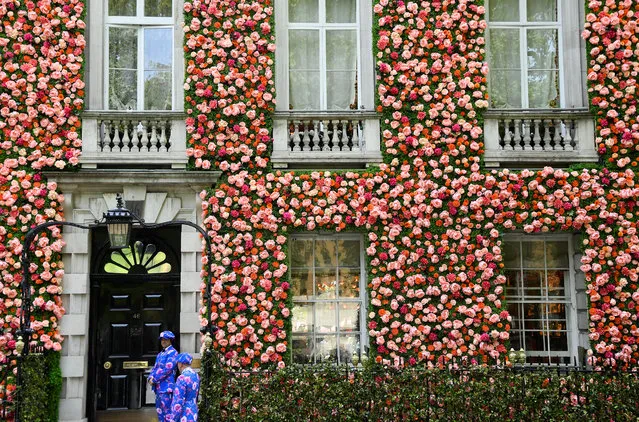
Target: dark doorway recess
134, 297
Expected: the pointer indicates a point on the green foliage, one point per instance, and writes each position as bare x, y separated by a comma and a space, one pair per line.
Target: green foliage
41, 387
332, 393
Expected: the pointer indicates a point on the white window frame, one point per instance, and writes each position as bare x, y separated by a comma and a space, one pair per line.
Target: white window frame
97, 71
569, 299
365, 76
363, 331
570, 14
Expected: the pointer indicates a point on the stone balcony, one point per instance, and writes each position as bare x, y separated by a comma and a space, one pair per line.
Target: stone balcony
133, 139
538, 138
326, 139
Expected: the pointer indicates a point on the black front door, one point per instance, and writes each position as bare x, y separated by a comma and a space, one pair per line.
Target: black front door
130, 318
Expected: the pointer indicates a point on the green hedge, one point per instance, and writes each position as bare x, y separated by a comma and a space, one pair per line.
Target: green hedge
378, 394
42, 383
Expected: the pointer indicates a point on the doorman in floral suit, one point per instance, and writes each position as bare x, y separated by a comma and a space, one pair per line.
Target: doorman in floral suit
162, 377
187, 386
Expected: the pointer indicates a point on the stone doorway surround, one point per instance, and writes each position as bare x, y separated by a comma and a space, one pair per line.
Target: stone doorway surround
158, 196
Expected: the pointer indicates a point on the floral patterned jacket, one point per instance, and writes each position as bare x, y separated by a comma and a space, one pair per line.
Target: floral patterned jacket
184, 405
163, 372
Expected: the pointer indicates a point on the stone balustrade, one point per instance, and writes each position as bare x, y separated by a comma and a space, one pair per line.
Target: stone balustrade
530, 137
329, 138
133, 139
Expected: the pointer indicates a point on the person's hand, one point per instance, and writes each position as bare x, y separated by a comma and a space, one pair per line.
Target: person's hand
150, 381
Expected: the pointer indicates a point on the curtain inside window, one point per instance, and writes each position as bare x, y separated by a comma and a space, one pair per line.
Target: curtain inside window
341, 69
543, 68
505, 68
304, 69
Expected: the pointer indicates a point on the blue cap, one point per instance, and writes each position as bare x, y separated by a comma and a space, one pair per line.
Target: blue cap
167, 335
184, 358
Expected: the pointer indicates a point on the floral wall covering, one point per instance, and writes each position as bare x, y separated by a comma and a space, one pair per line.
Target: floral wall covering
41, 91
432, 217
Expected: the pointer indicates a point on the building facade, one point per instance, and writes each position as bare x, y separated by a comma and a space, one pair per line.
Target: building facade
416, 181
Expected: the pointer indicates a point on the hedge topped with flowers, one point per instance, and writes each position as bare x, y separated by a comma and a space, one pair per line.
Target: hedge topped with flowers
432, 217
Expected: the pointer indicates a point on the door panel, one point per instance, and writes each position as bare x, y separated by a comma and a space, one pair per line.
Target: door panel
117, 391
130, 319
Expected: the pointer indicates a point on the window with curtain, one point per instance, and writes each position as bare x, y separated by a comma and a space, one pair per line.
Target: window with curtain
538, 292
523, 53
139, 65
323, 54
327, 282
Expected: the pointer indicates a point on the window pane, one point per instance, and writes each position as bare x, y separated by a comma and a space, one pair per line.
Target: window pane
559, 342
503, 10
341, 50
341, 65
325, 253
533, 254
157, 90
349, 317
302, 350
505, 89
304, 90
158, 58
513, 282
534, 341
302, 283
301, 253
532, 283
123, 48
123, 89
341, 11
505, 68
158, 50
513, 310
556, 283
302, 319
533, 315
510, 251
325, 283
157, 8
304, 83
349, 253
326, 317
541, 10
557, 254
122, 7
556, 311
348, 346
516, 340
341, 90
326, 349
303, 11
503, 52
349, 282
542, 49
543, 62
543, 89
